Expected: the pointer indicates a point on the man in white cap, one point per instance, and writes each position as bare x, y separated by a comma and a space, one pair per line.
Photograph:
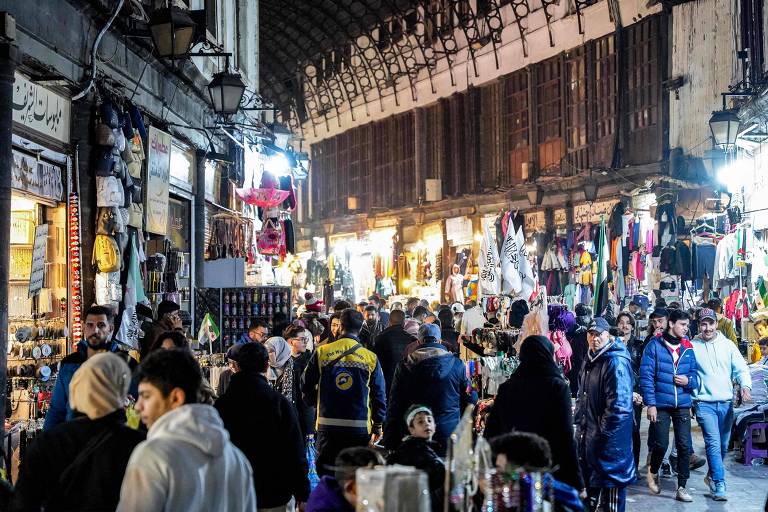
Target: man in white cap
718, 364
87, 456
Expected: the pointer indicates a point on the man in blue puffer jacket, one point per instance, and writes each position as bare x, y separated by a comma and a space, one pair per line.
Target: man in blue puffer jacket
98, 326
604, 419
668, 377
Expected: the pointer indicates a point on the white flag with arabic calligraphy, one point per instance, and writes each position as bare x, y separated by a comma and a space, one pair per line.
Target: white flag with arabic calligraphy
511, 282
490, 279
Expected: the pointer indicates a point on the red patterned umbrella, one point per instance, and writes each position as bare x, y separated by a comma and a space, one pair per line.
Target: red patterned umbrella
264, 197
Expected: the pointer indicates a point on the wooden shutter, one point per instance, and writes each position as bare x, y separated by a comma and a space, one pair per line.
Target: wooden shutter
603, 136
516, 124
549, 115
644, 142
576, 101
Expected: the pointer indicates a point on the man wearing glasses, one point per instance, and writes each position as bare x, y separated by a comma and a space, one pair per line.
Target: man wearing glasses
258, 331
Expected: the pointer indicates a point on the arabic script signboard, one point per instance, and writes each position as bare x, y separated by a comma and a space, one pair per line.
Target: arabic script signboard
40, 109
158, 176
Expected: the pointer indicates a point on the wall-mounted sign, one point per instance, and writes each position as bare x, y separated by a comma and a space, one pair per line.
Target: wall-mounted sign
534, 221
458, 230
36, 177
593, 212
158, 176
561, 217
37, 275
40, 109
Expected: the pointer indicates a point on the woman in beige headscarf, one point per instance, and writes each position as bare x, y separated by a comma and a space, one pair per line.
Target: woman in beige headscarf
82, 461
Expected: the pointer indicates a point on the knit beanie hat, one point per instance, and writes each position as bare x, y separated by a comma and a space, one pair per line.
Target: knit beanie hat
100, 385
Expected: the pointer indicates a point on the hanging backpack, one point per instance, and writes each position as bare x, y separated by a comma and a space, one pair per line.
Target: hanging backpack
106, 254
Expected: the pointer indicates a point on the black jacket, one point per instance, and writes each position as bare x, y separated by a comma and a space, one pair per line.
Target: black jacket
369, 333
539, 401
389, 347
422, 454
305, 412
636, 346
450, 338
430, 376
263, 424
90, 484
579, 346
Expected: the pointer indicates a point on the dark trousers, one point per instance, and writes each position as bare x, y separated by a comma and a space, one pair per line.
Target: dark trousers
607, 499
636, 434
329, 444
681, 424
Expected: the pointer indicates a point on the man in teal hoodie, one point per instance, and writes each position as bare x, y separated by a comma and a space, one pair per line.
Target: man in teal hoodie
718, 363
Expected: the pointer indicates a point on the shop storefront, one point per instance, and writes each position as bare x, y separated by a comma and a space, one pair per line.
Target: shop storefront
39, 262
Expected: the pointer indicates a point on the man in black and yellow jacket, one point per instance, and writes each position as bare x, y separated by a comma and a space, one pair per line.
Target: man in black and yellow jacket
345, 381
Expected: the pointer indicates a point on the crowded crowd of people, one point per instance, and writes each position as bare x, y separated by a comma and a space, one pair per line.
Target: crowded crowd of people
374, 384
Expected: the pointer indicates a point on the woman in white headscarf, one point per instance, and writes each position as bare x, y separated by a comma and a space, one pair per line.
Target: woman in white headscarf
279, 355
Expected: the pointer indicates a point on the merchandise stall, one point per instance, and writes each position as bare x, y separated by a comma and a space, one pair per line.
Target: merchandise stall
40, 290
423, 266
358, 265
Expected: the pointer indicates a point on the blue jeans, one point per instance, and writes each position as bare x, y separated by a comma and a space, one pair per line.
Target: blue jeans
716, 420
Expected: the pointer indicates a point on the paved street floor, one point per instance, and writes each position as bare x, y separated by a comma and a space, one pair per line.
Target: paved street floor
747, 485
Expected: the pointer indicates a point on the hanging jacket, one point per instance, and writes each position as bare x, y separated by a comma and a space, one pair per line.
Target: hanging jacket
657, 371
605, 418
430, 376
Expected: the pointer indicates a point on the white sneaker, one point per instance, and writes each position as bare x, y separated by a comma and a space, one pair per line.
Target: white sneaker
682, 495
653, 482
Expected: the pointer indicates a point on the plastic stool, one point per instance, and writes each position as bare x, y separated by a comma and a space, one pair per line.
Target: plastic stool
749, 451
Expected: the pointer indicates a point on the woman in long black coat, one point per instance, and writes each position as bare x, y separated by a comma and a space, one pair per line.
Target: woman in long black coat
537, 399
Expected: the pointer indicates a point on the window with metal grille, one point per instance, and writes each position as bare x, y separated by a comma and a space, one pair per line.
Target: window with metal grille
753, 36
576, 97
549, 115
645, 47
603, 105
516, 125
643, 80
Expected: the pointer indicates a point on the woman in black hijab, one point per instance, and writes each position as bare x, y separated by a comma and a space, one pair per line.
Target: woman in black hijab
537, 399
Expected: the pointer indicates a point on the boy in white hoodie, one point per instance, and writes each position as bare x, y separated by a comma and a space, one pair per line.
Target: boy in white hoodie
187, 462
719, 363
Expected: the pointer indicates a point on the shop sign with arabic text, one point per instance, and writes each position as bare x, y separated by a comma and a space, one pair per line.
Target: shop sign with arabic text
40, 109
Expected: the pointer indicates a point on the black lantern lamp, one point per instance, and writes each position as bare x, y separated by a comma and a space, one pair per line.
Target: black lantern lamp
535, 196
226, 91
724, 125
590, 189
173, 32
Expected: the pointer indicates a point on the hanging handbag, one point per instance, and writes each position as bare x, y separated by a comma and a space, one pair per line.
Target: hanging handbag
107, 221
109, 192
104, 136
213, 250
269, 238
